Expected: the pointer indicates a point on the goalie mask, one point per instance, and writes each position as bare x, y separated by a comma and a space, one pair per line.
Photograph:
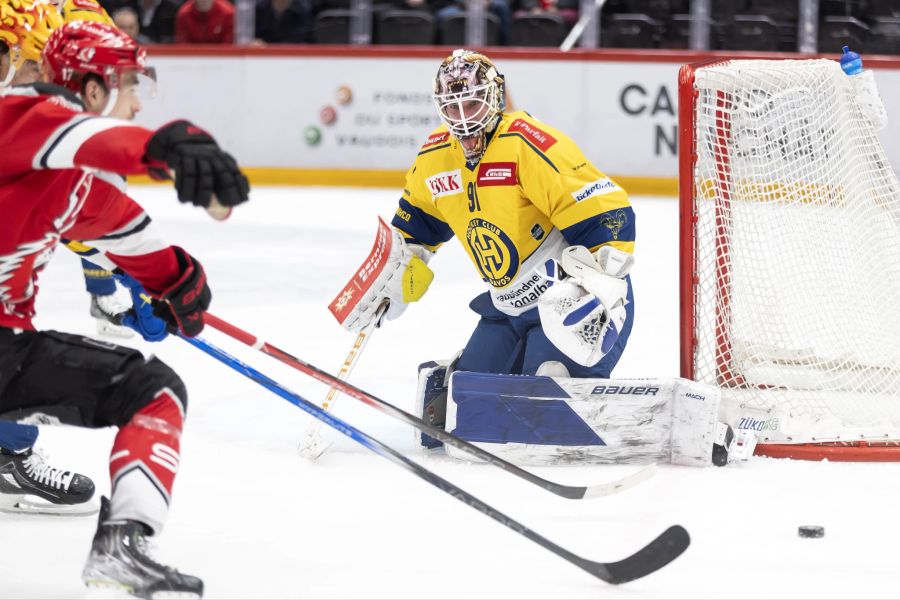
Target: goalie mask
25, 26
469, 96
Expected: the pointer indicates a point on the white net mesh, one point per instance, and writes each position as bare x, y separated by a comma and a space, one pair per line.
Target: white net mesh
796, 251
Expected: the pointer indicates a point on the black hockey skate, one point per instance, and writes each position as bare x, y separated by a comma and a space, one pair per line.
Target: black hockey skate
119, 559
28, 484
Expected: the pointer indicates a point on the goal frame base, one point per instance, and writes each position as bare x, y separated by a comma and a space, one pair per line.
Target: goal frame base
834, 451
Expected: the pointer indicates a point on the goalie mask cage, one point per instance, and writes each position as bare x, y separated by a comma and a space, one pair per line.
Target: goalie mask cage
790, 257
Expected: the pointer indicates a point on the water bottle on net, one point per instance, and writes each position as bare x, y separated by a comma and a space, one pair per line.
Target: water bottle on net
865, 88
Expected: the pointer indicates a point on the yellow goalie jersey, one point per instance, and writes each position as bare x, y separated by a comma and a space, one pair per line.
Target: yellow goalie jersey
532, 194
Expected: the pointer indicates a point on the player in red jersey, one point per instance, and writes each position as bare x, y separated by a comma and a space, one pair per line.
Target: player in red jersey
25, 26
56, 182
28, 482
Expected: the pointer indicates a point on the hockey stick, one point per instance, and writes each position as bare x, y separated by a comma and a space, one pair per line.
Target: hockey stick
655, 555
313, 444
566, 491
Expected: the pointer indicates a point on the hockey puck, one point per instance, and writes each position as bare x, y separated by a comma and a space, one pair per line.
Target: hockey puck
811, 531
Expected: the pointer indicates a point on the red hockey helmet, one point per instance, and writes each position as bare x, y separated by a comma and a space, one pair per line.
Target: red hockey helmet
83, 47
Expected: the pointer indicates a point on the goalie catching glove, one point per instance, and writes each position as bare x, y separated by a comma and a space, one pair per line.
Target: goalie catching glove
583, 312
403, 278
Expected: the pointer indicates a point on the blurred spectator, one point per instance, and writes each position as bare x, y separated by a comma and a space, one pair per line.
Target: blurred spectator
379, 5
283, 21
205, 22
157, 18
567, 9
499, 8
126, 19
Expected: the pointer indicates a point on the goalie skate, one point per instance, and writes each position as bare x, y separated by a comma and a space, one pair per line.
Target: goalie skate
29, 485
120, 560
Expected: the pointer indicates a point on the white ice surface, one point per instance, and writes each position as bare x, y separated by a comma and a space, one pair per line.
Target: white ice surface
256, 521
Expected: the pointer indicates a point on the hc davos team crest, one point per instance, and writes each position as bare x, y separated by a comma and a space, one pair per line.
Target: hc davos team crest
494, 253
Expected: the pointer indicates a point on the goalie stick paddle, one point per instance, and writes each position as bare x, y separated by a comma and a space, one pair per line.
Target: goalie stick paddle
573, 492
652, 557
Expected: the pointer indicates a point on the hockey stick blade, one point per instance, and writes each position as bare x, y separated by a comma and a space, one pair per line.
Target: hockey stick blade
571, 492
614, 487
657, 554
667, 547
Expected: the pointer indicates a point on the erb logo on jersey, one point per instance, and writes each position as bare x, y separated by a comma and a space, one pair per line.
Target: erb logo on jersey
499, 173
445, 184
596, 188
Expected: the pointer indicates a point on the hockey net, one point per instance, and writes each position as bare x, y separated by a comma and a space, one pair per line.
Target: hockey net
790, 258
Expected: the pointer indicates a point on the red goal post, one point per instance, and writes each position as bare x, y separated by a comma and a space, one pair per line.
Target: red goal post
790, 257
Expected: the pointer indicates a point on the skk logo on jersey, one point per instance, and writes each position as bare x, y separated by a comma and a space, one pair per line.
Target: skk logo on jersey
494, 253
445, 184
538, 137
500, 173
597, 188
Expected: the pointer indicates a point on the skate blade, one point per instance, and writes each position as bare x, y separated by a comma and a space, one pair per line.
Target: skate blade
22, 504
107, 589
107, 329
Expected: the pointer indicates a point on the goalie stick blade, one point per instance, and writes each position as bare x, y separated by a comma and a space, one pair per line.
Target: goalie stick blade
313, 446
652, 557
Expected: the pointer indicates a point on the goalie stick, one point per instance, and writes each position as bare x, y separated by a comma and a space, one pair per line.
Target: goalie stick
572, 492
313, 444
652, 557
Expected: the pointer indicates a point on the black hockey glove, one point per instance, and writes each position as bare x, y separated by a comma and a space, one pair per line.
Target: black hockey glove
201, 168
183, 303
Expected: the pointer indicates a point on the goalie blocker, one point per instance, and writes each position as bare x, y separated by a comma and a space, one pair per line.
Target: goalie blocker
538, 420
